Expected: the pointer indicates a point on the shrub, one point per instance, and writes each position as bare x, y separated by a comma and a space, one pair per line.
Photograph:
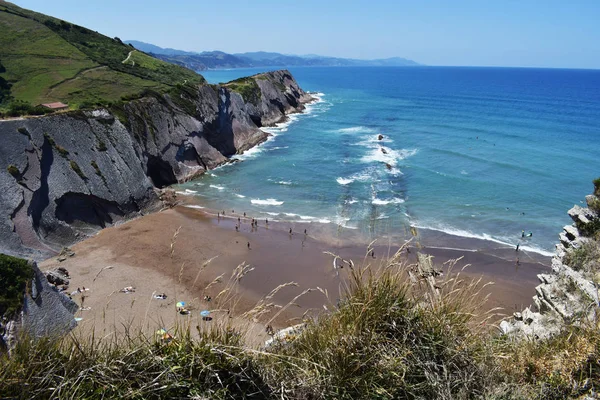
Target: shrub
101, 146
78, 170
14, 171
15, 274
96, 168
62, 151
597, 187
585, 258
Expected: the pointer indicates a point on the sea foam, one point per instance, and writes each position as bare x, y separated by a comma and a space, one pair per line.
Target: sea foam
266, 202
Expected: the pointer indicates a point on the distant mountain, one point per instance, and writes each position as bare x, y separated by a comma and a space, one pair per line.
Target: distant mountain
219, 59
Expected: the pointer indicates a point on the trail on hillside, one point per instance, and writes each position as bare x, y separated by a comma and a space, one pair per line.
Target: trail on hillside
127, 59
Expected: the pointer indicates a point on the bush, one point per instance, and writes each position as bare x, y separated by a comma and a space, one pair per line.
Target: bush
597, 187
14, 171
15, 274
78, 170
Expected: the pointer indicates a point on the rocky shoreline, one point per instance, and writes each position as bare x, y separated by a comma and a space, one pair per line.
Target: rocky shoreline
68, 175
568, 295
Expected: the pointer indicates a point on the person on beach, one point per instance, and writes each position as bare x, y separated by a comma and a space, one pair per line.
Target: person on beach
290, 231
239, 220
248, 245
237, 228
305, 232
522, 234
244, 215
267, 221
373, 253
517, 249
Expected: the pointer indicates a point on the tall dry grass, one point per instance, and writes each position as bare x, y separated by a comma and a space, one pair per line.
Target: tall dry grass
398, 332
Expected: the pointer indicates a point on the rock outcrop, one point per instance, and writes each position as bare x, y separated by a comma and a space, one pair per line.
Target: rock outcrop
570, 293
46, 312
65, 176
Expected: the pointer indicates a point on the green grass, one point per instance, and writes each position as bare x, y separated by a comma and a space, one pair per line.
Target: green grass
44, 59
15, 275
247, 87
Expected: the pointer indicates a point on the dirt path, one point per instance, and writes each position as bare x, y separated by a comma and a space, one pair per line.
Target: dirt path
127, 59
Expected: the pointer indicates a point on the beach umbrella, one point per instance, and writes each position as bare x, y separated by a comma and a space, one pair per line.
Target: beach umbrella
204, 313
180, 304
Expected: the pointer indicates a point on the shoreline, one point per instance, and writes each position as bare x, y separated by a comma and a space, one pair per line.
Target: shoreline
138, 253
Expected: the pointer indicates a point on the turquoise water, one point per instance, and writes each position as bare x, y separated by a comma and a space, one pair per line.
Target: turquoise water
473, 152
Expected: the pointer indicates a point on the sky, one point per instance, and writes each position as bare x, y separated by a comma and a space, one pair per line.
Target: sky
525, 33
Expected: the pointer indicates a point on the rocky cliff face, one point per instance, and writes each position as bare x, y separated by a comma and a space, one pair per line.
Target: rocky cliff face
65, 176
46, 312
569, 294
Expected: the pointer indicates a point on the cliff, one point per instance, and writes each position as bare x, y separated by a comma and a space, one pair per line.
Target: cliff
67, 175
44, 310
568, 295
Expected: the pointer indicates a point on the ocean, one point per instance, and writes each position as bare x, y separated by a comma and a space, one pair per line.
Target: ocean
481, 153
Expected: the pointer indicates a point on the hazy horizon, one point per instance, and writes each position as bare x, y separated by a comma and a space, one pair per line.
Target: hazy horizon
464, 33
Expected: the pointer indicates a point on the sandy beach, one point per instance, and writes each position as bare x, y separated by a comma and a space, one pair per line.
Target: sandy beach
190, 253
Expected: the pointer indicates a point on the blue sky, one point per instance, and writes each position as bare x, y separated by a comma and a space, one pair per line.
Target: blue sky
526, 33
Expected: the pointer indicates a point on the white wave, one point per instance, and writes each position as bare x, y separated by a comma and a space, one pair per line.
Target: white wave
484, 236
382, 154
285, 182
306, 217
198, 184
193, 206
266, 202
252, 152
191, 191
271, 213
463, 172
351, 201
291, 214
380, 202
184, 193
324, 221
218, 187
344, 181
241, 196
355, 129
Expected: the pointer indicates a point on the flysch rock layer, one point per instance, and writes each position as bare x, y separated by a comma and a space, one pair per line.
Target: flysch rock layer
46, 312
67, 175
564, 296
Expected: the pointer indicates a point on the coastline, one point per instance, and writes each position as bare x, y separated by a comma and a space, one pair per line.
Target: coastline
138, 253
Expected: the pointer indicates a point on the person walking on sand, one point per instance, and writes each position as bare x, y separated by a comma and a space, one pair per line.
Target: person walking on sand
237, 228
248, 245
517, 249
305, 232
290, 231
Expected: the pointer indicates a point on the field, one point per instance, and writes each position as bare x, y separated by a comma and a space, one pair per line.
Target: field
43, 59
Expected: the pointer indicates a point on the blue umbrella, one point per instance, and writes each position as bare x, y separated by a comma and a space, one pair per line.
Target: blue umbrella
204, 313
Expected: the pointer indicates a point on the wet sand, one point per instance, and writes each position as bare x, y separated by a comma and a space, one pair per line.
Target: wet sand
138, 253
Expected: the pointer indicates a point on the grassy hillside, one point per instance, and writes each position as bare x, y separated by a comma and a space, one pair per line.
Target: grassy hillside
44, 59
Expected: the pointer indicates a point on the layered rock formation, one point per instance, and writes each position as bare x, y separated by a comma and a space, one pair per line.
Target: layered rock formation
570, 293
46, 312
65, 176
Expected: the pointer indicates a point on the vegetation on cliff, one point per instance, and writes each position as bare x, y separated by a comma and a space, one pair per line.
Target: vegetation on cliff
44, 59
15, 274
